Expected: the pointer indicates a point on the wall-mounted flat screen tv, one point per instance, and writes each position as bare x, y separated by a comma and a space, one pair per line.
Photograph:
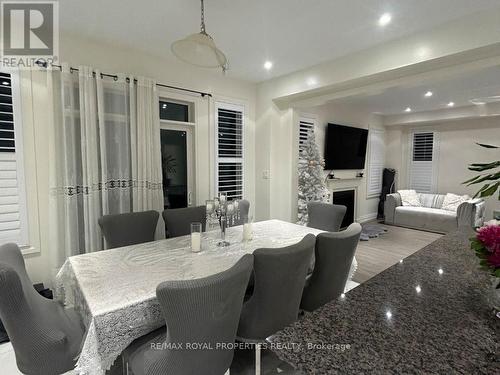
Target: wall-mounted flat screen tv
345, 147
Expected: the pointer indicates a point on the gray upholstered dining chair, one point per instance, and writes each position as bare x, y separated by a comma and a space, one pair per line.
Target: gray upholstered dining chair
46, 337
325, 216
129, 228
178, 220
244, 207
204, 311
334, 253
280, 275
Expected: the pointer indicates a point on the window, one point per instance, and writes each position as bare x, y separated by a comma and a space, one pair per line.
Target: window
423, 163
229, 139
175, 111
13, 215
376, 160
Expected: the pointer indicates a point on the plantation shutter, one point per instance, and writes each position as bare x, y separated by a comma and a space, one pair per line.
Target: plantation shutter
306, 127
422, 162
375, 162
12, 199
230, 150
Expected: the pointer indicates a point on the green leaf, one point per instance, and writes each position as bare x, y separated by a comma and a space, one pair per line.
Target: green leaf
489, 191
476, 245
484, 263
481, 190
486, 146
497, 272
488, 177
471, 179
478, 167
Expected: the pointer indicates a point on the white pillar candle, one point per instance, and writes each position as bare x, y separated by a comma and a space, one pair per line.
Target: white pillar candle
236, 203
209, 207
216, 203
195, 242
247, 232
230, 208
222, 198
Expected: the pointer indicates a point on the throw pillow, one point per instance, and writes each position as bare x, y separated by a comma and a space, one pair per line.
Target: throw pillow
409, 198
452, 201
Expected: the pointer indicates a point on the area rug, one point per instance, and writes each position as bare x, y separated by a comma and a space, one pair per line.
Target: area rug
371, 231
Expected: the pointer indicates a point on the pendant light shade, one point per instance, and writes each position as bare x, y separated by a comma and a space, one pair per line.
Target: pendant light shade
199, 49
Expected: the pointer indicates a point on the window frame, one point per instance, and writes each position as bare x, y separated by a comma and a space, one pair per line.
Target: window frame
191, 110
230, 107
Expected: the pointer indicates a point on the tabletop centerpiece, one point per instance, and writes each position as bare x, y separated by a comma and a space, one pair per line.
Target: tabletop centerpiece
224, 213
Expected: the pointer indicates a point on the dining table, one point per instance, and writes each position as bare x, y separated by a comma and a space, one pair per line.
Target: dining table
114, 290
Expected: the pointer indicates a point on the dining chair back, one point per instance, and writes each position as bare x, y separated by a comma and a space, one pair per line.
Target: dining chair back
46, 337
178, 220
203, 311
280, 274
244, 208
129, 228
325, 216
334, 254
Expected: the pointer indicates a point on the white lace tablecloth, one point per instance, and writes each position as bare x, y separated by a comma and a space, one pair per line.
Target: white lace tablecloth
115, 290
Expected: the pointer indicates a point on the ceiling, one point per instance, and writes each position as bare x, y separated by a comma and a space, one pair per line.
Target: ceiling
459, 89
293, 34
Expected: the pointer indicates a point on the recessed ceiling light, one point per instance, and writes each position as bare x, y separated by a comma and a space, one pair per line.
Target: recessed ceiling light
268, 65
428, 94
388, 314
418, 288
440, 271
408, 109
385, 19
312, 82
451, 104
422, 52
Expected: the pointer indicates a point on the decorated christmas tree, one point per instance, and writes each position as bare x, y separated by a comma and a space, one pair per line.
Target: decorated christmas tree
312, 185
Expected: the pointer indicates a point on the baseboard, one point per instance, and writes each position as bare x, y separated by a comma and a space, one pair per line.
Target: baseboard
365, 218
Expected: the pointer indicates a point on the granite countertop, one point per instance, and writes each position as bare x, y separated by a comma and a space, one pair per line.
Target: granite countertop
427, 314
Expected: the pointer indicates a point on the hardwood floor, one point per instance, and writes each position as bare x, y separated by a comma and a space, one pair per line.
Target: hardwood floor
380, 253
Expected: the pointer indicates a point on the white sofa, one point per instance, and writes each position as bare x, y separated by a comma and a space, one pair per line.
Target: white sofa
430, 216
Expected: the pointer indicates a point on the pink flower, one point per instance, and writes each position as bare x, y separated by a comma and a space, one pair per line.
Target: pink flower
490, 237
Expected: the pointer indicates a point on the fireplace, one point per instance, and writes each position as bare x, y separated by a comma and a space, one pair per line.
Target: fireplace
345, 198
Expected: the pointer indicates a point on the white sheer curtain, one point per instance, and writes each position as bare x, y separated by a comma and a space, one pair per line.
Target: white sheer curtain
104, 155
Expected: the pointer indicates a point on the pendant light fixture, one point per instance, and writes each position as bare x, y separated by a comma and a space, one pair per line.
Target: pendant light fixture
199, 49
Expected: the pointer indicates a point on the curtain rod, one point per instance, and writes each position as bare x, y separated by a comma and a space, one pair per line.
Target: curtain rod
44, 64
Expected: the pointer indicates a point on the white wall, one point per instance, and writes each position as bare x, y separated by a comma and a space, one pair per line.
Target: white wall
113, 59
457, 149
